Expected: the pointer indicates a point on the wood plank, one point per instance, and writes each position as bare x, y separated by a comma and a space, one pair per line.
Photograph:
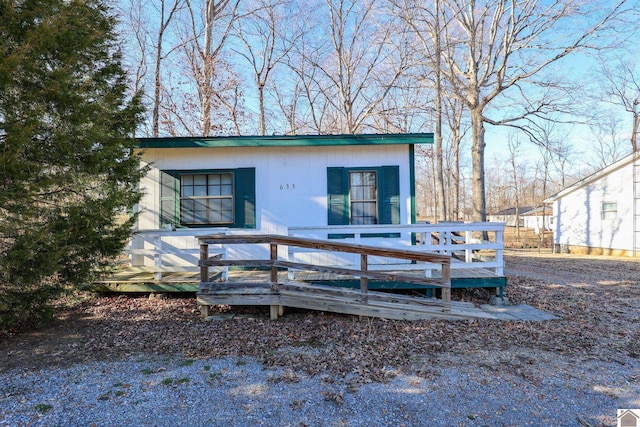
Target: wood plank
347, 292
376, 275
240, 288
326, 246
372, 308
147, 287
228, 299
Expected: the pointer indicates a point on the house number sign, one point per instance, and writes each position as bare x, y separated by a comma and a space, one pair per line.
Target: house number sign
287, 187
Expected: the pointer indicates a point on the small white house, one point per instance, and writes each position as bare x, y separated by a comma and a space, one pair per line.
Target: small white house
352, 188
269, 183
509, 217
534, 218
528, 217
601, 213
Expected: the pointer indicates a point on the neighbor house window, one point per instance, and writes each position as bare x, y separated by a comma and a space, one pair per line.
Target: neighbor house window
609, 210
206, 198
363, 197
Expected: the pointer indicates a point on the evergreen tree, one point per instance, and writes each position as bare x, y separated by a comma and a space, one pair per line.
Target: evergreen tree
67, 170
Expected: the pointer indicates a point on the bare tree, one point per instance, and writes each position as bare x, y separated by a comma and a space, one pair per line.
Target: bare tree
457, 130
167, 11
267, 35
501, 45
406, 108
426, 25
134, 27
206, 29
622, 87
513, 145
607, 147
356, 63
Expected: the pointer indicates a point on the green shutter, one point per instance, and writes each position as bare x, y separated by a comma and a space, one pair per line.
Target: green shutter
245, 198
389, 185
169, 198
337, 196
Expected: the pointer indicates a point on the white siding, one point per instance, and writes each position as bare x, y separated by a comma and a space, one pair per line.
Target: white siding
276, 167
578, 214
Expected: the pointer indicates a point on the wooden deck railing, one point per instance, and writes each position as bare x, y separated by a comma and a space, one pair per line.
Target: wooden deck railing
363, 273
160, 251
164, 251
459, 239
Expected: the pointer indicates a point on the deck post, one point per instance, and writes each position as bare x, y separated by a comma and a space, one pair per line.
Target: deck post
275, 310
273, 256
468, 253
499, 252
446, 290
204, 268
157, 257
364, 281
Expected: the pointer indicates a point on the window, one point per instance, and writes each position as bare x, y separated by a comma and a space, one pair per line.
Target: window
609, 210
206, 198
368, 195
363, 196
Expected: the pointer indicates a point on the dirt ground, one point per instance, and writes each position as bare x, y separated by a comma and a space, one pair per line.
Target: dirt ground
596, 298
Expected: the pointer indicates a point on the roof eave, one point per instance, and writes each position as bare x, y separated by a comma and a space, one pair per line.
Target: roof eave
593, 177
286, 140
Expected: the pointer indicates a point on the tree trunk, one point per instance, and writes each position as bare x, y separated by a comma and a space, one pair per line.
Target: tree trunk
263, 124
442, 201
207, 67
479, 212
456, 178
157, 82
634, 132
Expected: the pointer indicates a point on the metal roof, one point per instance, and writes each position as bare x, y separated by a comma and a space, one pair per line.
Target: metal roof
286, 140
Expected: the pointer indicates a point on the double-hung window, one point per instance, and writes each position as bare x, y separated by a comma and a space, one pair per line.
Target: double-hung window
206, 198
609, 210
363, 196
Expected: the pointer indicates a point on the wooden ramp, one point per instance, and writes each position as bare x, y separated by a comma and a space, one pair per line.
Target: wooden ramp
333, 299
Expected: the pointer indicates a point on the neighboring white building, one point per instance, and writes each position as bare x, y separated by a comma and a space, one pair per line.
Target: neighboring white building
509, 217
601, 213
534, 218
528, 217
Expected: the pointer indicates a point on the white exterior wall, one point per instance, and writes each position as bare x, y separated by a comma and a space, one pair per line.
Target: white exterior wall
303, 169
535, 222
578, 214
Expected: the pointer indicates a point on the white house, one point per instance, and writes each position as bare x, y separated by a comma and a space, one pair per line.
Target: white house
508, 216
528, 217
269, 183
535, 217
601, 213
352, 188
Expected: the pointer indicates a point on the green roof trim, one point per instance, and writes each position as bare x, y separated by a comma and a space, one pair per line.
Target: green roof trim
286, 140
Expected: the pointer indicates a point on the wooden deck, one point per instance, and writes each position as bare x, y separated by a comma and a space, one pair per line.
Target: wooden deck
133, 280
319, 273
